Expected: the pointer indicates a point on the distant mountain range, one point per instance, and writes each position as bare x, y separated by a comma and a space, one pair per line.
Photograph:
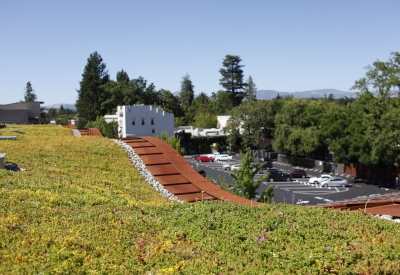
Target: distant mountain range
58, 105
261, 94
270, 94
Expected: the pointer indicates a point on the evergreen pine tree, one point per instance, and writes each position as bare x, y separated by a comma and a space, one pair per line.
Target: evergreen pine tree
251, 90
187, 92
91, 94
30, 96
232, 78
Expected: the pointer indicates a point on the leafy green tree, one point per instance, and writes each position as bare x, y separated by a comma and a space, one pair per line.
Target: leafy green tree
234, 188
203, 99
383, 77
179, 121
61, 111
187, 91
200, 104
221, 102
52, 113
372, 134
122, 76
118, 93
108, 129
170, 103
297, 128
385, 144
251, 90
30, 95
268, 195
151, 96
244, 176
62, 119
232, 79
91, 94
254, 122
45, 118
233, 126
205, 120
173, 141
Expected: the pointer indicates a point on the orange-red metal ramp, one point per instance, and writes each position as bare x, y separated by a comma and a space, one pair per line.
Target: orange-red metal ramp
173, 172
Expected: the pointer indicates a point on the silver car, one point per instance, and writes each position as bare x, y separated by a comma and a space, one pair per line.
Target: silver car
233, 167
335, 182
318, 180
223, 157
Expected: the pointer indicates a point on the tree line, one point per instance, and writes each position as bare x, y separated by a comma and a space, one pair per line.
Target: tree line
100, 95
364, 129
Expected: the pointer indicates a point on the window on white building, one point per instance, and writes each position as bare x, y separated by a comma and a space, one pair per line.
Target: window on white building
133, 121
153, 131
152, 121
142, 121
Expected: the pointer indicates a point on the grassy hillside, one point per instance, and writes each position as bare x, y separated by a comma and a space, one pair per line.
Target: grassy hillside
81, 208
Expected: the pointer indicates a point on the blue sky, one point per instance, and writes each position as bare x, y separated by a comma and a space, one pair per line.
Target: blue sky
285, 45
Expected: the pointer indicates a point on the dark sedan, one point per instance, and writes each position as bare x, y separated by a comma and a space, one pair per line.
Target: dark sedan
298, 173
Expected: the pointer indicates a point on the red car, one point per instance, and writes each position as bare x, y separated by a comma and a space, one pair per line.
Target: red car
298, 173
204, 159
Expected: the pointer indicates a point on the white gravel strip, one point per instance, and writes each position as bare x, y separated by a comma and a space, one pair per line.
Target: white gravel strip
147, 176
76, 133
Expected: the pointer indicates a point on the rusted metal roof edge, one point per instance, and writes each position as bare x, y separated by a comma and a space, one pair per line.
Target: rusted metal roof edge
208, 189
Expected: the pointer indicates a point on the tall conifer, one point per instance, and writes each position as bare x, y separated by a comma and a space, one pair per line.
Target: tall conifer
91, 93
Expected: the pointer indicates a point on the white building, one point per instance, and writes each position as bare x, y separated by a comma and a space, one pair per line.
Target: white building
202, 132
142, 120
221, 121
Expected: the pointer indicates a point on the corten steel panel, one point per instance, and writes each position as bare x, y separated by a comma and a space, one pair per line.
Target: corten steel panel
173, 179
156, 141
228, 197
147, 151
140, 144
195, 197
71, 126
206, 185
174, 156
169, 150
194, 176
392, 210
165, 169
371, 204
184, 168
154, 159
182, 189
175, 173
134, 140
376, 207
95, 132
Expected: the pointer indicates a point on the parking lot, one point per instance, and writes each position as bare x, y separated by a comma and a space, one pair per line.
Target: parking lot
298, 191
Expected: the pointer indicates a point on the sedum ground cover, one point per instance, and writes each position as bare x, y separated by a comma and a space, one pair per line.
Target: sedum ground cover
81, 208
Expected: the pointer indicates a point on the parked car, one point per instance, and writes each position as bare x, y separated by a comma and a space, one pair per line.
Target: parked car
318, 180
298, 173
226, 166
264, 159
335, 182
195, 156
222, 157
204, 159
202, 172
214, 155
276, 175
233, 167
267, 161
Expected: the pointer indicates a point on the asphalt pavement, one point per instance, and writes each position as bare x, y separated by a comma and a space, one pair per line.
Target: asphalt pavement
298, 191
